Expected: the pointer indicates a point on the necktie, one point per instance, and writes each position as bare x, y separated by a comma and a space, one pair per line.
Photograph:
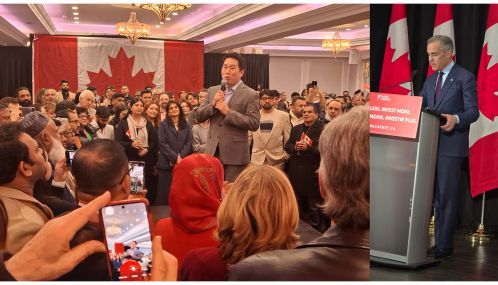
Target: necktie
228, 94
439, 84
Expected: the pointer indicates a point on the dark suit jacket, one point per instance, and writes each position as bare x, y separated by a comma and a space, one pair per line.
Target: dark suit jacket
230, 132
172, 143
458, 97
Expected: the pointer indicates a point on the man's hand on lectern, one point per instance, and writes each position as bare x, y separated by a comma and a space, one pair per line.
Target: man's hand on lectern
450, 122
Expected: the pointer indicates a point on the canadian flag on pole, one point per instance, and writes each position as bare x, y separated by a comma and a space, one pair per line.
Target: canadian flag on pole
483, 138
99, 62
443, 25
396, 69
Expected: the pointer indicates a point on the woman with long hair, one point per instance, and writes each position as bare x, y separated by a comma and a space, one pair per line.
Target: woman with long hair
152, 115
138, 137
175, 143
120, 112
259, 214
186, 107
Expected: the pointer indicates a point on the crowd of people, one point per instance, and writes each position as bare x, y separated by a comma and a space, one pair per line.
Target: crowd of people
254, 182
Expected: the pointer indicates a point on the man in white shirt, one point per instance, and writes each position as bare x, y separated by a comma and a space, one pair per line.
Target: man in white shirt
101, 121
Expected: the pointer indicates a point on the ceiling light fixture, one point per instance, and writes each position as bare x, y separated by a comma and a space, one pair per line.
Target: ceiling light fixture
336, 44
76, 22
174, 13
133, 29
348, 29
164, 10
76, 13
74, 8
76, 18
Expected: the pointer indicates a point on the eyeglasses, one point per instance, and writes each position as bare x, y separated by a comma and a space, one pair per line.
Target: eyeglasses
267, 98
83, 116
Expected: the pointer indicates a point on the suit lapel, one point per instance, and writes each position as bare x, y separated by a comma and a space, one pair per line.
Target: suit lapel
450, 79
236, 94
431, 81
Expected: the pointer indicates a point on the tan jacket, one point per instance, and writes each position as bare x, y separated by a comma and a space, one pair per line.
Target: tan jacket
25, 217
272, 150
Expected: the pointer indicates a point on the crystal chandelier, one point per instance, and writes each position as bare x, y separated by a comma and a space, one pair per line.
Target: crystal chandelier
164, 10
133, 29
336, 44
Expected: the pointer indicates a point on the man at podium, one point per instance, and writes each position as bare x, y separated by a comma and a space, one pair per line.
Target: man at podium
451, 91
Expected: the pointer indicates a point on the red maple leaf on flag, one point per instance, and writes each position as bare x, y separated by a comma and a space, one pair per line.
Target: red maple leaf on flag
121, 74
487, 86
394, 73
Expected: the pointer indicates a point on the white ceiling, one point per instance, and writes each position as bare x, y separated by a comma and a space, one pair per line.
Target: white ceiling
278, 29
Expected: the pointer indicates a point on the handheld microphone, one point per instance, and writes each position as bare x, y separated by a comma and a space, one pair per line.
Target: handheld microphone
223, 85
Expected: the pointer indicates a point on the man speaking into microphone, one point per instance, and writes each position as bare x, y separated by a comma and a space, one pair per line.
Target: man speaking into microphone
233, 110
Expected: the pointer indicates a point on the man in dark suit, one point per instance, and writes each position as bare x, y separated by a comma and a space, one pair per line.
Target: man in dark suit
232, 114
302, 165
451, 90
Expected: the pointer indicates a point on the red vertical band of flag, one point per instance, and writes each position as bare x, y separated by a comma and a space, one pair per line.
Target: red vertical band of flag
187, 59
396, 68
443, 25
483, 139
56, 59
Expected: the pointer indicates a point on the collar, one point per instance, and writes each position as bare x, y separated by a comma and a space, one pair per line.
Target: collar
235, 86
447, 69
336, 236
16, 194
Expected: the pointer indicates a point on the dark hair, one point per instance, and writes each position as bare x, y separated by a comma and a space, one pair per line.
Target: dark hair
64, 81
297, 98
12, 151
117, 95
264, 92
80, 110
8, 100
3, 106
115, 120
99, 165
64, 113
21, 89
182, 122
188, 104
65, 104
133, 101
92, 88
358, 92
308, 104
238, 58
145, 91
274, 93
294, 94
103, 112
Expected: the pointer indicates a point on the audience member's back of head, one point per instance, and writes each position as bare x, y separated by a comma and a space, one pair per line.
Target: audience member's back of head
65, 104
196, 192
259, 214
345, 169
98, 166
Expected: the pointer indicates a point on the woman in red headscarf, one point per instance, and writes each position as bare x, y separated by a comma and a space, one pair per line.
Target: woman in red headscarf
194, 201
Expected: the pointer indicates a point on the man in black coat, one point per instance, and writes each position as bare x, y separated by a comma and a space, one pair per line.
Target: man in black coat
302, 165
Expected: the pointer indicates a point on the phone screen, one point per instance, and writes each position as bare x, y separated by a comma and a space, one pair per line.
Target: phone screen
69, 157
137, 176
128, 241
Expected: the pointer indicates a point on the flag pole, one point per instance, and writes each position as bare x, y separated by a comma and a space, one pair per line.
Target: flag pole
480, 234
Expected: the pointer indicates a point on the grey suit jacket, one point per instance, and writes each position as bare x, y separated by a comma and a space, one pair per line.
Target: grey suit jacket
230, 132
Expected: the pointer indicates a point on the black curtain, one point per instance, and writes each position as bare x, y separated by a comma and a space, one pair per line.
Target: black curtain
15, 70
256, 75
470, 27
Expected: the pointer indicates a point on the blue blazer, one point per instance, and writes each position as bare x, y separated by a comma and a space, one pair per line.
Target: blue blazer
172, 143
458, 97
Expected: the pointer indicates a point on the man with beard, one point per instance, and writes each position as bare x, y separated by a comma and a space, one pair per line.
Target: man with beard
273, 133
104, 131
4, 114
116, 100
45, 132
163, 101
64, 93
21, 166
303, 163
24, 97
296, 111
72, 117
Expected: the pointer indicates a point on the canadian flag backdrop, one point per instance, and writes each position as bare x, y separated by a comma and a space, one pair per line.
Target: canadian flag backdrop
483, 138
99, 62
443, 25
396, 69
